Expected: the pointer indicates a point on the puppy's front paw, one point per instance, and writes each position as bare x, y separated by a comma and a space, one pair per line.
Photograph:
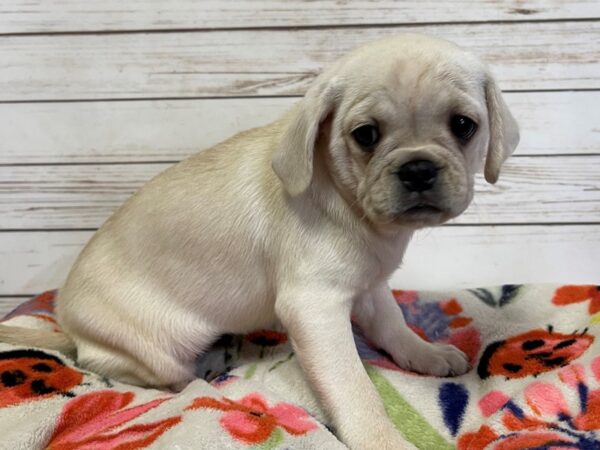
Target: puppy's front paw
440, 360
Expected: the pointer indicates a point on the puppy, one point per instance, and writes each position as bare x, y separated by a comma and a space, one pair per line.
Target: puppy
301, 221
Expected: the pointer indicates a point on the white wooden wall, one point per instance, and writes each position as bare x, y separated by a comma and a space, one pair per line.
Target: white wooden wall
98, 96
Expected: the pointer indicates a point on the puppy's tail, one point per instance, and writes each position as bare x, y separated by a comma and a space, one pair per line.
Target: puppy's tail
38, 338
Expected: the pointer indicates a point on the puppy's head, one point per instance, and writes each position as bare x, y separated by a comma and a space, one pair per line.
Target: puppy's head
403, 124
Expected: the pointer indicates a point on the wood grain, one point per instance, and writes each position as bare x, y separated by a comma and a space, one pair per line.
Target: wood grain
559, 189
553, 55
38, 16
31, 262
460, 257
167, 130
173, 54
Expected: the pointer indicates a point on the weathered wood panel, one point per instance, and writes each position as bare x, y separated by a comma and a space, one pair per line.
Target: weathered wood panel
461, 257
549, 55
31, 262
38, 197
531, 190
167, 130
38, 16
252, 52
126, 131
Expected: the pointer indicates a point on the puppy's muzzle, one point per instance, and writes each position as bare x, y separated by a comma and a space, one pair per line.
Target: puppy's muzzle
418, 175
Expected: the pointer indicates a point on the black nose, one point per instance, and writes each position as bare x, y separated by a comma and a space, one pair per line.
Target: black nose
418, 175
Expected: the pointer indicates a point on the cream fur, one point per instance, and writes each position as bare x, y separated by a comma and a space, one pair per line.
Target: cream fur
293, 222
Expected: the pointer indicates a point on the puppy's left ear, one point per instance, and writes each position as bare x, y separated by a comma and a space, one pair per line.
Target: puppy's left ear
293, 159
504, 131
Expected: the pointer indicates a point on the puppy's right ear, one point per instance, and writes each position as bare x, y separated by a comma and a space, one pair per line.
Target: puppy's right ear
293, 159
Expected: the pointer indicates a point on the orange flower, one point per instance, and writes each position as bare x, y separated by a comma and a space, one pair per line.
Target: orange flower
252, 420
485, 436
477, 440
566, 295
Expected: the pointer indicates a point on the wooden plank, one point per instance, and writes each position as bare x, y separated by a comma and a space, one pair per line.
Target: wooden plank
31, 262
561, 189
476, 256
539, 190
26, 16
166, 130
557, 122
126, 131
40, 197
548, 55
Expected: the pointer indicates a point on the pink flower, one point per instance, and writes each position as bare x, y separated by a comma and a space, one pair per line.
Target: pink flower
572, 375
252, 420
551, 423
493, 402
545, 399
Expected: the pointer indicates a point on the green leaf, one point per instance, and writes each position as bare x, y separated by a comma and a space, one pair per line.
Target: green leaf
405, 418
250, 371
279, 363
274, 440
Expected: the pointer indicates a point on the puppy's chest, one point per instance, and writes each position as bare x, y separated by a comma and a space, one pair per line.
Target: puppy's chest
389, 253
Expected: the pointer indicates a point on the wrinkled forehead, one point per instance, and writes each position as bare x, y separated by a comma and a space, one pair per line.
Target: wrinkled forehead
418, 83
445, 83
415, 55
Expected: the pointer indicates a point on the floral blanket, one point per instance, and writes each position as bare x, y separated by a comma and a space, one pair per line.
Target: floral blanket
534, 384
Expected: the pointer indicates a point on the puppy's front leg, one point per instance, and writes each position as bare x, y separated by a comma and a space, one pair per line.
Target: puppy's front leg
318, 322
383, 323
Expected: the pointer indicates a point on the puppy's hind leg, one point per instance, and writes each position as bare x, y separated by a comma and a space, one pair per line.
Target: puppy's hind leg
166, 371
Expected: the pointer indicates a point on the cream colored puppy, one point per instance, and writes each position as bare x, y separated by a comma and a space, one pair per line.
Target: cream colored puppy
302, 222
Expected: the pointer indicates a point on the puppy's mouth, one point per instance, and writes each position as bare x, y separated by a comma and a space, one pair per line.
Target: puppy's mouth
422, 209
423, 214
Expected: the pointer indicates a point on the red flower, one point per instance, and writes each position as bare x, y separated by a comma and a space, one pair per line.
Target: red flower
405, 297
451, 307
41, 306
44, 301
252, 421
576, 294
267, 338
93, 421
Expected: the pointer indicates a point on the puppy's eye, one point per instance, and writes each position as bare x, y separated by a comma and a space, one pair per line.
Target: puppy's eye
366, 136
462, 127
